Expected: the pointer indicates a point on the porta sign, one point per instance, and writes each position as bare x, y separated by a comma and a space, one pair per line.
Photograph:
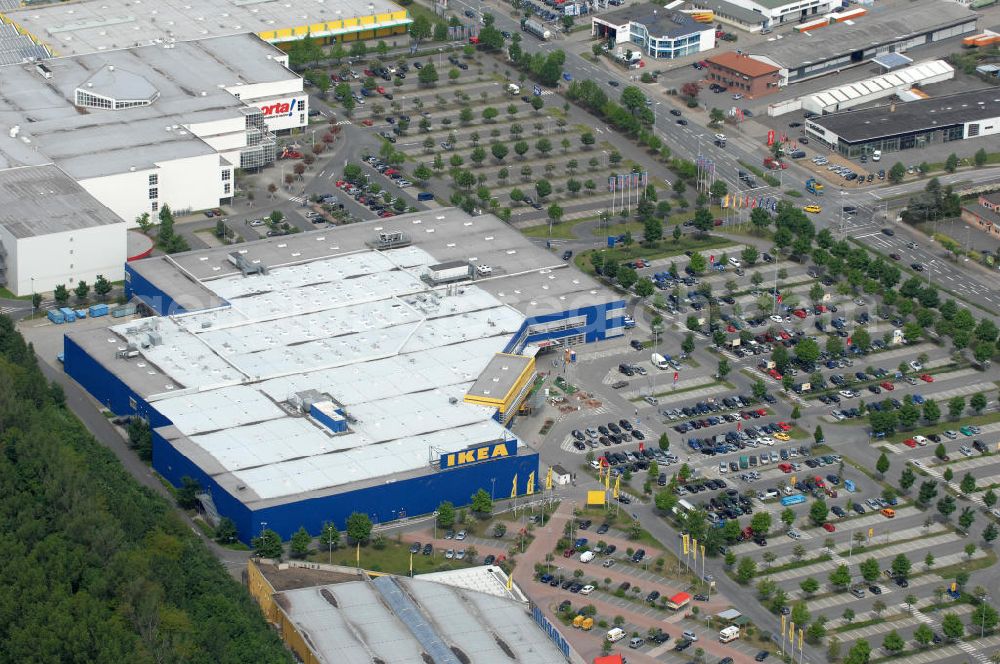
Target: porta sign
500, 449
280, 108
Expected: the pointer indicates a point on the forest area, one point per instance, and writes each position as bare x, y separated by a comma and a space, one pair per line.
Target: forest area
96, 568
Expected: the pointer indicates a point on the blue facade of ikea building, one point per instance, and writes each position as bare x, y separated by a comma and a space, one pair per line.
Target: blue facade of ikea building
391, 497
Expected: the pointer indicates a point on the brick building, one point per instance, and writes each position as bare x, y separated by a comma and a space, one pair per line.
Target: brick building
984, 215
743, 74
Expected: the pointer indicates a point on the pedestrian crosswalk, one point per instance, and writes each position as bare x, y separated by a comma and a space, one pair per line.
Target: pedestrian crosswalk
297, 199
341, 123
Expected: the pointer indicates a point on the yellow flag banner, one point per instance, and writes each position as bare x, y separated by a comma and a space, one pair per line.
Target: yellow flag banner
548, 480
531, 483
684, 541
618, 485
513, 489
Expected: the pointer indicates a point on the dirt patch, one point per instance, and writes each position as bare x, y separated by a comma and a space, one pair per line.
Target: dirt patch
298, 577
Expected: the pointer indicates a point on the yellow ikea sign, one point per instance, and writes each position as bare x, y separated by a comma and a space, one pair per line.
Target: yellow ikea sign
478, 454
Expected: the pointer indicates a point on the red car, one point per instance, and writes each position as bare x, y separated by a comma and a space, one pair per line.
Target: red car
369, 72
568, 553
888, 386
829, 527
718, 222
785, 467
762, 411
799, 313
773, 373
819, 482
368, 122
784, 426
785, 336
380, 90
909, 442
927, 378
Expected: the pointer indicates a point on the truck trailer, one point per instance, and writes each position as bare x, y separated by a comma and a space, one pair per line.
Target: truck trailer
535, 28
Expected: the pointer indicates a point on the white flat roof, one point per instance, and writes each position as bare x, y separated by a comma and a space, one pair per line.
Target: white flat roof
87, 26
333, 316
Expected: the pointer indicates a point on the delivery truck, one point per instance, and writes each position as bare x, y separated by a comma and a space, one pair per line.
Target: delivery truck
535, 28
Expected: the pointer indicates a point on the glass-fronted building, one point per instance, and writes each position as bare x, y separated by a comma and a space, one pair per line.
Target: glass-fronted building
905, 125
654, 32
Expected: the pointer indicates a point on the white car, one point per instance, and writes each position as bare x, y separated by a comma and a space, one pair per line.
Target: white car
720, 137
449, 554
916, 366
777, 319
484, 269
920, 440
586, 590
460, 554
767, 440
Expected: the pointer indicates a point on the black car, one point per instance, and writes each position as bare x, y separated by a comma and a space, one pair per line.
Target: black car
683, 644
565, 605
609, 549
659, 637
489, 560
636, 344
603, 528
917, 266
415, 547
653, 596
874, 590
888, 231
682, 122
625, 424
428, 549
568, 254
624, 585
901, 582
761, 656
674, 111
638, 555
613, 84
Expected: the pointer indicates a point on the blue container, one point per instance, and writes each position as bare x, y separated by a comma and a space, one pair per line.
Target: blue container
793, 500
425, 196
98, 310
68, 314
611, 240
849, 486
80, 313
56, 316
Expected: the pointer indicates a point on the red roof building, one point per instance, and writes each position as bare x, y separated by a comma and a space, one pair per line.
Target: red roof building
610, 659
743, 74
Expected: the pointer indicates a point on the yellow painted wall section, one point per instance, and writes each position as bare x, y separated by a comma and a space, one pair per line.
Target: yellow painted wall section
262, 590
284, 33
294, 640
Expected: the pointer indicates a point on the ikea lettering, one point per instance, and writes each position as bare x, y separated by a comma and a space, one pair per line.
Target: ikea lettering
281, 108
478, 454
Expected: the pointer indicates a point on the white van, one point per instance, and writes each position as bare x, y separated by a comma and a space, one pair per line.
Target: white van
876, 155
735, 262
513, 88
587, 556
616, 634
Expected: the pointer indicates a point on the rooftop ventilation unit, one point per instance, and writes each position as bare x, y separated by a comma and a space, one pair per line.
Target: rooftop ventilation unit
391, 240
247, 268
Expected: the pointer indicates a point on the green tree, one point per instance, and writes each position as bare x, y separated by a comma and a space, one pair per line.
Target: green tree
446, 514
983, 618
882, 464
870, 570
800, 613
268, 545
893, 642
82, 290
760, 523
923, 635
901, 566
968, 484
225, 531
932, 413
955, 406
978, 402
301, 540
788, 517
664, 442
840, 577
481, 502
951, 626
359, 527
896, 173
746, 569
543, 188
818, 512
946, 506
102, 286
809, 586
187, 494
951, 163
428, 75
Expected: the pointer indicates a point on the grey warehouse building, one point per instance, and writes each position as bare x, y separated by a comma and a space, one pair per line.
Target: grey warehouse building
884, 30
915, 124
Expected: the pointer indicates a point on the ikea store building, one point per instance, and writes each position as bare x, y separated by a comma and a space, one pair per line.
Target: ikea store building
373, 367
